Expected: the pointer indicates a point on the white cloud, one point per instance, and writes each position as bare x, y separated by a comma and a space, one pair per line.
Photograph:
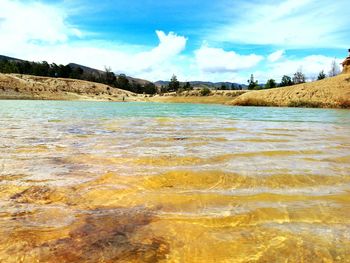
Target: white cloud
290, 23
29, 22
275, 56
215, 60
38, 32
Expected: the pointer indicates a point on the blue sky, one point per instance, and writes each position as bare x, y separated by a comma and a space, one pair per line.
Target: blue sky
196, 40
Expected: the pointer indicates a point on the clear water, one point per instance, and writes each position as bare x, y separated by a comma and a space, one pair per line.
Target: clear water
148, 182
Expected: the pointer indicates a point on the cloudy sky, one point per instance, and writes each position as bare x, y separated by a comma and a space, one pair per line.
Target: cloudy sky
222, 40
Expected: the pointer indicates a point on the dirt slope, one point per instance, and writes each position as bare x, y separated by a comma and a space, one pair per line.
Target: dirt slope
14, 86
327, 93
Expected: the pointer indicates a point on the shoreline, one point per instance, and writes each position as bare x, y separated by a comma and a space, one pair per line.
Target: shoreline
333, 93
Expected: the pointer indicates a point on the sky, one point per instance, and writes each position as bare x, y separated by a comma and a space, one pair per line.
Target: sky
222, 40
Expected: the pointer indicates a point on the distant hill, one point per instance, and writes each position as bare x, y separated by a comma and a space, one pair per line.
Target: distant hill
97, 72
86, 69
10, 58
202, 84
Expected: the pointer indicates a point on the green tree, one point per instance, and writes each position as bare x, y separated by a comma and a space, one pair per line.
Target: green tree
299, 77
223, 86
188, 86
252, 84
122, 82
321, 75
109, 76
150, 88
286, 81
174, 84
163, 89
270, 84
205, 91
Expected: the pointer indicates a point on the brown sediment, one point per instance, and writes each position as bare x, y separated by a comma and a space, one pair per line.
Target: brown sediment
108, 236
96, 236
38, 194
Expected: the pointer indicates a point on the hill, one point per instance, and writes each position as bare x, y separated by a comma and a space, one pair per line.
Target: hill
10, 59
98, 72
90, 73
16, 86
327, 93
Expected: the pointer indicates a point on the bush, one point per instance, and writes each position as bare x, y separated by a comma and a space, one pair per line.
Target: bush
306, 104
205, 92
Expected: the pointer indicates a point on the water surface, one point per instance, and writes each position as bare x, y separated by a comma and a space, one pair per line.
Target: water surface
148, 182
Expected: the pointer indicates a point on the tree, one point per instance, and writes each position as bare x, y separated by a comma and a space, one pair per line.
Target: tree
252, 84
174, 84
335, 70
205, 91
286, 81
150, 88
109, 76
123, 82
270, 84
223, 86
188, 86
321, 75
299, 77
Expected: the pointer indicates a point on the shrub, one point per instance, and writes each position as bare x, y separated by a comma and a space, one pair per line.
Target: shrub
306, 104
205, 91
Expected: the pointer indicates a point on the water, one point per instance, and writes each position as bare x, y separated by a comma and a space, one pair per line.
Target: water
147, 182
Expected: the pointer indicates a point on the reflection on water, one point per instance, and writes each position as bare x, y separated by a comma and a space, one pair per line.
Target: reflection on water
107, 182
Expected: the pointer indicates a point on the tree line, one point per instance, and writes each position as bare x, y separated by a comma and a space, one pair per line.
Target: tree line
298, 78
45, 69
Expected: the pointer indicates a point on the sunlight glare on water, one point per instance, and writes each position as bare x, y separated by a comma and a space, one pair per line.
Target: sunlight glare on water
147, 182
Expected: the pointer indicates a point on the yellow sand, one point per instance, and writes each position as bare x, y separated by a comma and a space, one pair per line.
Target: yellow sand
15, 86
328, 93
216, 97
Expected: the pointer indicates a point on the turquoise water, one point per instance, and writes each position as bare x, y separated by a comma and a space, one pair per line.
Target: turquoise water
98, 110
153, 182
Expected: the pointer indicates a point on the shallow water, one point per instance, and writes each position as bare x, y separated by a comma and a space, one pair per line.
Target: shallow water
137, 182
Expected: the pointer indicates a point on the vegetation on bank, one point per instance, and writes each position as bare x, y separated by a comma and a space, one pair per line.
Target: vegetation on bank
298, 78
53, 70
331, 92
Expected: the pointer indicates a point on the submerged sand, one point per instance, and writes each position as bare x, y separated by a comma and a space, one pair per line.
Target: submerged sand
76, 187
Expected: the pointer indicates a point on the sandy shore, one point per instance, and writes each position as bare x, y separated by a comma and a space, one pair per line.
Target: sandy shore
15, 86
216, 97
327, 93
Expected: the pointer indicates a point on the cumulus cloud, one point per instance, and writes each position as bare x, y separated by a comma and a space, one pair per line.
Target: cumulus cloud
289, 23
27, 22
275, 56
214, 60
37, 32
